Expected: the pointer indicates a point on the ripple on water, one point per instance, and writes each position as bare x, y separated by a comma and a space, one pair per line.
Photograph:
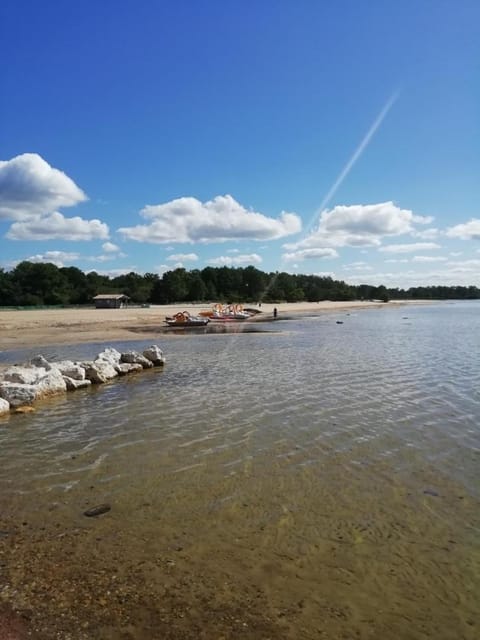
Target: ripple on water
298, 461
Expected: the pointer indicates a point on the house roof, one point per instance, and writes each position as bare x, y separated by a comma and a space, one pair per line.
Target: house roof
111, 296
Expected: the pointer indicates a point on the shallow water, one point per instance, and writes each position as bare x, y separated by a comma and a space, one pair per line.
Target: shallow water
320, 480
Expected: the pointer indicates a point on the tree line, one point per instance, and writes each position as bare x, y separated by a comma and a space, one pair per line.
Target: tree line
35, 284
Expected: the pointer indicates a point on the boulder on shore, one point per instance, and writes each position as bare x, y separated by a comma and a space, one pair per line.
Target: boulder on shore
99, 371
155, 355
20, 386
4, 406
133, 357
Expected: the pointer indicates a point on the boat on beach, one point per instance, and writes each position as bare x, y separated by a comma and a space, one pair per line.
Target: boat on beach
226, 313
185, 319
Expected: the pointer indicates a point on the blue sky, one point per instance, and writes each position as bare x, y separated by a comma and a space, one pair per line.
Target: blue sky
338, 138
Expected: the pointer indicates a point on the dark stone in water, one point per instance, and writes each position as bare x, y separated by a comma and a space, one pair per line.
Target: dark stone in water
97, 511
431, 492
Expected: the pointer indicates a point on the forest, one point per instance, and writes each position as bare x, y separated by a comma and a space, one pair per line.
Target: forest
38, 284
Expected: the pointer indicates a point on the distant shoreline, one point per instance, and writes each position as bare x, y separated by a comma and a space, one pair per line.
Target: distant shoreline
25, 329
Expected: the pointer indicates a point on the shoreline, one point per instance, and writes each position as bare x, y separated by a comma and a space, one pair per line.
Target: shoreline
48, 327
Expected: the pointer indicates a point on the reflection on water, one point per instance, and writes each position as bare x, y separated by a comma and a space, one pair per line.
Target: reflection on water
318, 481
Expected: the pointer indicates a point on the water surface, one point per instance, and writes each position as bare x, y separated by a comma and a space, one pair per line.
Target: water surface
318, 480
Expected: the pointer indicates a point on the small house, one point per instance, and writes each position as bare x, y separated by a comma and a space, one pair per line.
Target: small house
111, 301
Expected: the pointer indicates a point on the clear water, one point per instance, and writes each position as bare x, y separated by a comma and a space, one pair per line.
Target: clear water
321, 480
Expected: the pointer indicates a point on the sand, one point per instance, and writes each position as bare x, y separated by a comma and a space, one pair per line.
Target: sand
19, 329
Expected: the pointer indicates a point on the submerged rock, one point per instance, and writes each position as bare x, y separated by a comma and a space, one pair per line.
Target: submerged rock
97, 511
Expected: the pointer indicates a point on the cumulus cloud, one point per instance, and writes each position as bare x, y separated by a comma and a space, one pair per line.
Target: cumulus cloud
56, 226
183, 257
30, 187
229, 261
360, 225
187, 220
409, 248
310, 254
58, 258
109, 247
466, 231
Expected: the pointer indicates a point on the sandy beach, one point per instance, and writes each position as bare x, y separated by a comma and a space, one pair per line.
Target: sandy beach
22, 328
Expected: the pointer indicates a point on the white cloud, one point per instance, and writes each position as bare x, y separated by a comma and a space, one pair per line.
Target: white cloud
427, 234
397, 260
56, 226
57, 258
409, 248
359, 225
183, 257
30, 187
162, 268
449, 274
229, 261
109, 247
428, 259
380, 219
467, 231
359, 267
466, 265
106, 257
310, 254
218, 220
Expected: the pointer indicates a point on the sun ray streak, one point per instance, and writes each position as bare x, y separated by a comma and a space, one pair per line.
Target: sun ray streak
353, 159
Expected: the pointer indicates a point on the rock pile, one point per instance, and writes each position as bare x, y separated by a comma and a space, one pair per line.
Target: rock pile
23, 385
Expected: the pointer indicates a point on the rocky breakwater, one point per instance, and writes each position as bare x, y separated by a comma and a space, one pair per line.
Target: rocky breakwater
22, 385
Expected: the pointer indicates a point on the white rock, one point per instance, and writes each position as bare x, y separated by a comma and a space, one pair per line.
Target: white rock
125, 367
50, 384
137, 358
24, 375
155, 355
17, 394
110, 355
73, 384
4, 406
100, 371
40, 361
70, 369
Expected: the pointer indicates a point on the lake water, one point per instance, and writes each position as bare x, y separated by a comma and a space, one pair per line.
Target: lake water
311, 480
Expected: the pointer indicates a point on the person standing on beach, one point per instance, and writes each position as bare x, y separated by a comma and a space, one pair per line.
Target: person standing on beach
275, 312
